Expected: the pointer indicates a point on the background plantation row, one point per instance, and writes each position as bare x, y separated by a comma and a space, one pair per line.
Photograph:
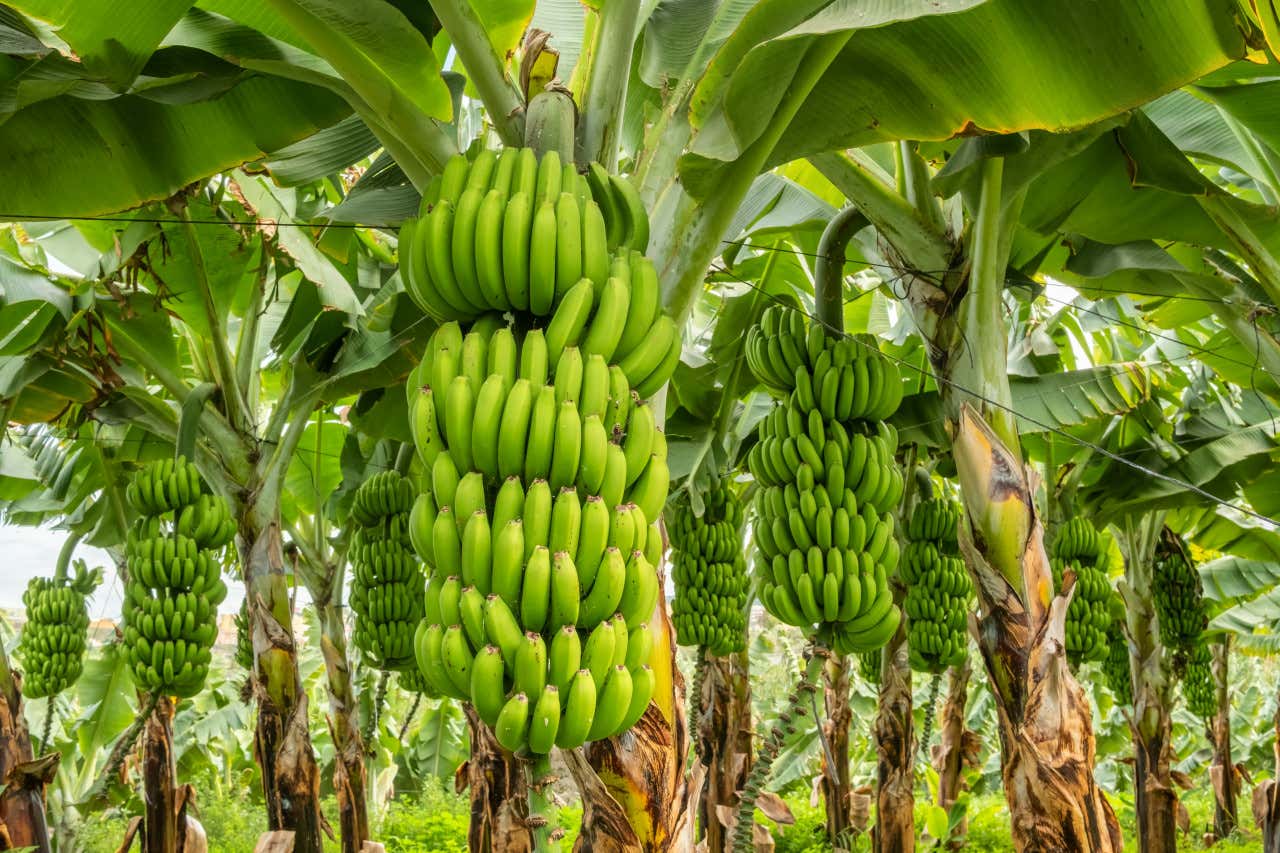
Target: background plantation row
647, 426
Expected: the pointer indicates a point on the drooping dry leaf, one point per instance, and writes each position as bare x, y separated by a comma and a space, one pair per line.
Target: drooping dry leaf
775, 808
1261, 801
761, 840
278, 841
1182, 780
1183, 818
196, 840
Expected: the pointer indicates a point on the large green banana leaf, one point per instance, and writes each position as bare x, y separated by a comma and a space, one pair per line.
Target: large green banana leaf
1049, 402
933, 69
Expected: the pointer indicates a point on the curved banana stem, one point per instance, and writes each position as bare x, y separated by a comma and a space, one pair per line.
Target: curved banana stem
828, 274
64, 556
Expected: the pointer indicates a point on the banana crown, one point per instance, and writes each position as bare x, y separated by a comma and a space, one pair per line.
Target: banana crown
387, 580
824, 459
1080, 547
173, 557
709, 572
543, 474
938, 588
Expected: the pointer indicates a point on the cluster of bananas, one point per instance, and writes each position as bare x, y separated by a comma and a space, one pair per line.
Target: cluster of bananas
826, 466
842, 379
709, 572
174, 588
1178, 599
546, 475
55, 635
506, 232
1079, 548
938, 588
1197, 681
1115, 666
869, 664
244, 637
386, 588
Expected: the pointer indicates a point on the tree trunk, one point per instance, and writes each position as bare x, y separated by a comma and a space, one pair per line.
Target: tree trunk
499, 794
22, 818
349, 777
1222, 770
1156, 801
1266, 800
159, 783
1046, 726
949, 758
282, 742
643, 769
895, 751
835, 784
724, 741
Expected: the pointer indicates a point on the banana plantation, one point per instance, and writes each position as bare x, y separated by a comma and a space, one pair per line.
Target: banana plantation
620, 426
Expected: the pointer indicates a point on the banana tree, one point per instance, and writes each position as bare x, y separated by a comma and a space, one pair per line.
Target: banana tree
764, 84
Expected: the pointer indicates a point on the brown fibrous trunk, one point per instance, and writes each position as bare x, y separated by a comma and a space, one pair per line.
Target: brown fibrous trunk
282, 740
349, 777
955, 746
723, 728
22, 817
499, 794
164, 820
1045, 722
1222, 770
895, 830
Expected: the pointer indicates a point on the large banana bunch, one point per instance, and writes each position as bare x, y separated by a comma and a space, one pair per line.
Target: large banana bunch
825, 462
938, 588
386, 587
506, 233
174, 588
709, 572
1178, 600
55, 635
1079, 547
545, 474
1197, 682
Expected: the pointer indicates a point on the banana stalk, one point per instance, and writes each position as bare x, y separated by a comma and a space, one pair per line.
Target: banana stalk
1156, 800
895, 752
499, 794
836, 785
954, 744
165, 821
724, 734
22, 814
282, 743
1222, 770
1044, 715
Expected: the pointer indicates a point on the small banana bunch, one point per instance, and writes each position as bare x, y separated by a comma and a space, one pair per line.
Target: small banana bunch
1178, 600
545, 475
174, 585
709, 572
1115, 666
826, 465
938, 588
1197, 682
54, 637
869, 664
386, 588
244, 637
1079, 548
